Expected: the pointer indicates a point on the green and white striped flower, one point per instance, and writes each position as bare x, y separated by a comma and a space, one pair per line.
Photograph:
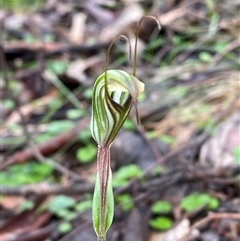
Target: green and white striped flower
114, 93
113, 96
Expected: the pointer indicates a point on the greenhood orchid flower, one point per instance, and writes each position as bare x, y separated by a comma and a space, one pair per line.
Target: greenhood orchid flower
114, 93
112, 101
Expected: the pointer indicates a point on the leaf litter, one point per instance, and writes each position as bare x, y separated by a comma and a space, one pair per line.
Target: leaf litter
191, 73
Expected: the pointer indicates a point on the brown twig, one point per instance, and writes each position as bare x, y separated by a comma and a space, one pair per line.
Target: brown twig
163, 182
231, 46
210, 217
28, 52
46, 148
44, 188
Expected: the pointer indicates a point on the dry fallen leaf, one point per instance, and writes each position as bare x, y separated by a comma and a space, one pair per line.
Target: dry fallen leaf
77, 30
12, 202
175, 233
132, 13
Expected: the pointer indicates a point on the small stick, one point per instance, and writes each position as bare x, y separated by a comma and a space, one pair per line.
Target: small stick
210, 217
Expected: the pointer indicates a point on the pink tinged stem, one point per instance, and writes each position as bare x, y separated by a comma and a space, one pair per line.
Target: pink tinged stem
103, 169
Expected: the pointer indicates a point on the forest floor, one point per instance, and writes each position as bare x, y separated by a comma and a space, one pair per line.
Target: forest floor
176, 175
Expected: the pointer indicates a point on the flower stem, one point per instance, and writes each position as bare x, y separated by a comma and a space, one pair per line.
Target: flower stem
103, 167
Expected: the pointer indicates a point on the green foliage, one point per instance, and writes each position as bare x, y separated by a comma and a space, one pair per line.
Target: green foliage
64, 227
161, 207
66, 208
22, 5
125, 173
167, 139
8, 104
65, 213
88, 93
57, 66
54, 128
150, 134
87, 153
60, 202
236, 154
142, 96
197, 200
220, 45
148, 54
157, 170
27, 205
179, 91
43, 137
83, 205
129, 125
203, 108
126, 202
27, 173
57, 127
75, 113
205, 57
204, 124
30, 38
160, 223
85, 135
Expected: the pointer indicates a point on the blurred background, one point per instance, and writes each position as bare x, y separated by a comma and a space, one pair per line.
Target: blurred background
176, 175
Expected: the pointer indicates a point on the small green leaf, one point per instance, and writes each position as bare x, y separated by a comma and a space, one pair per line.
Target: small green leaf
57, 66
60, 202
236, 154
160, 223
84, 135
27, 173
87, 153
150, 134
65, 214
142, 97
179, 91
83, 206
75, 113
27, 205
29, 38
126, 202
167, 139
197, 200
161, 207
129, 125
88, 93
125, 173
56, 127
128, 171
205, 57
8, 104
157, 170
49, 38
65, 227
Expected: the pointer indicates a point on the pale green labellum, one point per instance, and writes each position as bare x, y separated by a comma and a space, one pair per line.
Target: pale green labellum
113, 97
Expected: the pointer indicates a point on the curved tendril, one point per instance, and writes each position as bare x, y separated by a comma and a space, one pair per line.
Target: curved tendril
136, 38
108, 54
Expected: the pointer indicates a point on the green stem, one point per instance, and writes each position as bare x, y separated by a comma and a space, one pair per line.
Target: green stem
103, 168
101, 239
